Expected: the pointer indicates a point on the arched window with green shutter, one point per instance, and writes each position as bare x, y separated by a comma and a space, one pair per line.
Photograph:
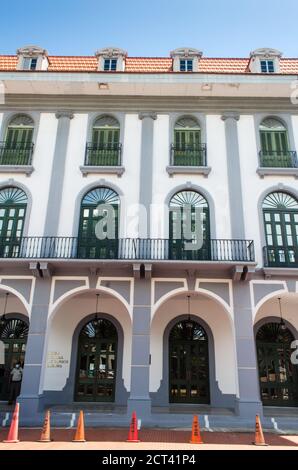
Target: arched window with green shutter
275, 150
13, 204
18, 146
96, 205
105, 148
187, 149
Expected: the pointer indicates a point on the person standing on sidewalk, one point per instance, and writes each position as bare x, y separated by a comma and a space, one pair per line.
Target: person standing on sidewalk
16, 376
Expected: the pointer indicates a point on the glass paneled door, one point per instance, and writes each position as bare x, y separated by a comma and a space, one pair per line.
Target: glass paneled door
13, 203
14, 337
97, 355
278, 376
281, 228
188, 364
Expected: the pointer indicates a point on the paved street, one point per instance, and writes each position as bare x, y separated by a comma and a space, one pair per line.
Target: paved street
151, 439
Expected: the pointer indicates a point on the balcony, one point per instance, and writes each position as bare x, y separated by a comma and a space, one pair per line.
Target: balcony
188, 158
278, 163
217, 251
280, 257
103, 158
16, 157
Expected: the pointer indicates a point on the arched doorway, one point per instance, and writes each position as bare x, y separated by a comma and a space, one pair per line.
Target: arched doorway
189, 224
99, 224
13, 334
188, 363
280, 211
96, 363
278, 376
13, 204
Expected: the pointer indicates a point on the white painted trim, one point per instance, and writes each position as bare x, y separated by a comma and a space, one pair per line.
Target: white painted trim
53, 305
27, 305
229, 307
256, 307
128, 305
155, 305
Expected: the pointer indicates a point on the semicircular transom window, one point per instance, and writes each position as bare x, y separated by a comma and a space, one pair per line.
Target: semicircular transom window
102, 195
280, 201
14, 329
187, 122
106, 121
101, 329
270, 124
187, 197
12, 195
188, 330
273, 333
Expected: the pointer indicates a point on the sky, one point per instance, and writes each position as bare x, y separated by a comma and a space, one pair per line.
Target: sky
220, 28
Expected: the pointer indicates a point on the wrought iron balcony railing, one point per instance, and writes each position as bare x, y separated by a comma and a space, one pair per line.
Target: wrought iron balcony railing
103, 154
188, 155
19, 153
278, 159
280, 257
125, 249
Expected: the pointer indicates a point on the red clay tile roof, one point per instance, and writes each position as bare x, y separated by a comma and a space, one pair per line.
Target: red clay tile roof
147, 64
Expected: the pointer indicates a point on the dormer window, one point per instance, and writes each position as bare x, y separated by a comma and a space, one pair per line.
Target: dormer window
267, 66
264, 61
110, 65
186, 59
186, 65
111, 59
29, 63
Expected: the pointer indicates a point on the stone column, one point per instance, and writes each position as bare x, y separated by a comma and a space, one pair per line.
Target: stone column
57, 176
234, 175
30, 400
139, 399
248, 404
146, 168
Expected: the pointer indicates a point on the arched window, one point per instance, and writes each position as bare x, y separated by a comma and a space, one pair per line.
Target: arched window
13, 333
278, 376
97, 359
187, 148
13, 204
189, 226
99, 224
188, 363
275, 144
105, 146
280, 212
18, 146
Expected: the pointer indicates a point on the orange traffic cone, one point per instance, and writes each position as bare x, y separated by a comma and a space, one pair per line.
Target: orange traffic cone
46, 430
14, 426
133, 429
80, 432
195, 433
259, 436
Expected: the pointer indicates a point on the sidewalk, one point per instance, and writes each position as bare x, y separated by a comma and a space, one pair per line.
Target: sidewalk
151, 439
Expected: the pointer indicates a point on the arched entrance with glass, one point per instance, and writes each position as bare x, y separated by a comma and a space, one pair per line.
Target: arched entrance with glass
13, 204
13, 334
277, 374
189, 226
99, 224
96, 364
280, 212
188, 363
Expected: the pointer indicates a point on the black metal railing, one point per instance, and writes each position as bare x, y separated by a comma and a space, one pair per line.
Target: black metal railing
19, 153
103, 154
280, 257
125, 249
188, 155
278, 159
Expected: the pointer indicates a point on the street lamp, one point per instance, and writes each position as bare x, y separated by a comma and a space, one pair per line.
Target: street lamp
3, 319
281, 323
189, 323
96, 319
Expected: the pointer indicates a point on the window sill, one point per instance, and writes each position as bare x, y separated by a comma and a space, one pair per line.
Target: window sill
183, 170
116, 170
273, 171
27, 169
285, 272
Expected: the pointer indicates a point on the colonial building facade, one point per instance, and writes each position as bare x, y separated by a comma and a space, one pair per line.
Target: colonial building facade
147, 320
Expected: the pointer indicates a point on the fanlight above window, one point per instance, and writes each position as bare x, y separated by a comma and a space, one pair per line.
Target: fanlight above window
187, 123
188, 330
273, 333
272, 124
106, 121
280, 201
12, 195
101, 195
14, 329
101, 329
21, 120
188, 197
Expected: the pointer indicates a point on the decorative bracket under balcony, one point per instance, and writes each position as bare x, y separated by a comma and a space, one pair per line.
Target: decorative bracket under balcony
26, 169
270, 171
109, 169
184, 170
